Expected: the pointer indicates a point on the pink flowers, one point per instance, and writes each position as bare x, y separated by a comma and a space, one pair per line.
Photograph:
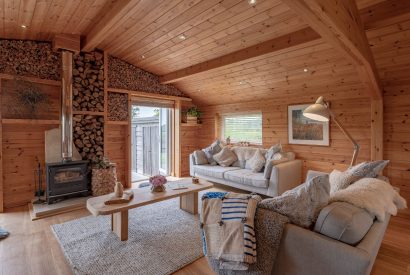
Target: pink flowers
157, 180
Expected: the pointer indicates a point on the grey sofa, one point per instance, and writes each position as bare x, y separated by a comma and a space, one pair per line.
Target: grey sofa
326, 249
282, 177
303, 251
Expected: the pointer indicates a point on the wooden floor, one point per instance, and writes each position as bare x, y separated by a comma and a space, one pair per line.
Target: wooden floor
32, 248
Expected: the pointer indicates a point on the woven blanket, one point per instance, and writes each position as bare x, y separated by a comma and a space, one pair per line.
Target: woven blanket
269, 226
227, 223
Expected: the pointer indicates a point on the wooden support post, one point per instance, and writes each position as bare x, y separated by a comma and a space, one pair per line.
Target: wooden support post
189, 203
176, 171
377, 129
218, 133
119, 224
70, 42
128, 156
105, 100
1, 159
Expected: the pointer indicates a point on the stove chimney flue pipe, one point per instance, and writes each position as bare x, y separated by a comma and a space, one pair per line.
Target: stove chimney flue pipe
66, 106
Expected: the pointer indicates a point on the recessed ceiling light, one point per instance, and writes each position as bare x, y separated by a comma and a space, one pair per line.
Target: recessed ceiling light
305, 70
252, 2
143, 56
24, 26
182, 37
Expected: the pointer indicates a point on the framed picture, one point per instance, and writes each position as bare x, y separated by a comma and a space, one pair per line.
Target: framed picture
303, 130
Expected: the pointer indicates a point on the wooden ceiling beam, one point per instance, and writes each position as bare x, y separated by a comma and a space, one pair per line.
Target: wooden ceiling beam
339, 23
273, 45
114, 16
385, 13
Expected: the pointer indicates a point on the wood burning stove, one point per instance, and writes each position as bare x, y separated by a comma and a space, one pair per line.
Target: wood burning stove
66, 179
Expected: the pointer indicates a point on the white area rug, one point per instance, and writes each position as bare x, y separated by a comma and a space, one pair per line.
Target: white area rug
162, 239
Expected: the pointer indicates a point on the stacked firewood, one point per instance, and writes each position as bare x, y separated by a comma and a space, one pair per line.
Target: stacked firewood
88, 135
103, 180
123, 75
88, 82
29, 58
117, 107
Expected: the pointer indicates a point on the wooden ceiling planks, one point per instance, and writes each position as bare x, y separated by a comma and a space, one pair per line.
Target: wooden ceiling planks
284, 42
212, 28
44, 18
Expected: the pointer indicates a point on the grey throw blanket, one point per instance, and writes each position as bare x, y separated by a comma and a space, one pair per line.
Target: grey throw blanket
269, 227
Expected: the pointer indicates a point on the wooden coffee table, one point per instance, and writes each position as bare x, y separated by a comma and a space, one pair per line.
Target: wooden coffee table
143, 196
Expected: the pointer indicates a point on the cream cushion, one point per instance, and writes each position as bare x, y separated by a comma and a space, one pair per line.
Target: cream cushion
257, 162
247, 177
344, 222
225, 157
214, 171
369, 169
200, 157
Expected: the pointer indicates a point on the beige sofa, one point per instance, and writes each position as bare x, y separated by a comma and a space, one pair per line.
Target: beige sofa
282, 177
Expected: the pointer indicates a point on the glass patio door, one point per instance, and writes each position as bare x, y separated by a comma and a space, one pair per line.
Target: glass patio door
164, 140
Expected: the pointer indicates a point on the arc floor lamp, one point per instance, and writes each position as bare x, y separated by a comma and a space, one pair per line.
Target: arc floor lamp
320, 111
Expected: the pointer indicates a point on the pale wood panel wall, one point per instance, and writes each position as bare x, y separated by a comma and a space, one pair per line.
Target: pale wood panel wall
390, 47
188, 140
354, 113
23, 148
116, 147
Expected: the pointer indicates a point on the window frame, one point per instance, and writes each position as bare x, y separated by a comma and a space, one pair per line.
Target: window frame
222, 124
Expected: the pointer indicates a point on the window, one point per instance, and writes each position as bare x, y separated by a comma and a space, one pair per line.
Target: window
243, 127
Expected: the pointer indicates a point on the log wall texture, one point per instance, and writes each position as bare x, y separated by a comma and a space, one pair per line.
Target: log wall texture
29, 58
117, 107
88, 135
122, 75
88, 82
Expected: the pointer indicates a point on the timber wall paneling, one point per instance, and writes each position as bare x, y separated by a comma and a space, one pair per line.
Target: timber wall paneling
355, 114
22, 140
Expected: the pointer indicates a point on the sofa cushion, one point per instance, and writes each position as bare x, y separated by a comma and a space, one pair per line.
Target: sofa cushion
369, 169
344, 222
200, 157
269, 166
239, 163
245, 152
257, 162
247, 177
213, 171
211, 150
273, 150
303, 203
226, 157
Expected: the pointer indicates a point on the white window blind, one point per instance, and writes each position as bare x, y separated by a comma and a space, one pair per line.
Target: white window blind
243, 127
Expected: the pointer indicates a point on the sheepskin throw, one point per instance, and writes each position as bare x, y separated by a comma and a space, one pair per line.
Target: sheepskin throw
226, 157
303, 203
369, 169
374, 195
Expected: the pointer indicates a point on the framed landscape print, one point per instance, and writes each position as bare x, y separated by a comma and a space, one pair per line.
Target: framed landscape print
303, 130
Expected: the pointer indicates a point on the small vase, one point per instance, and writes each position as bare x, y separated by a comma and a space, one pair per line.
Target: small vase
118, 190
160, 188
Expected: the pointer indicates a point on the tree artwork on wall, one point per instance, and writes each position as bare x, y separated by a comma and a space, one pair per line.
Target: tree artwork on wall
28, 99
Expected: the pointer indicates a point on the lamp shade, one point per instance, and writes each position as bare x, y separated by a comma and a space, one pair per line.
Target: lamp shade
317, 111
